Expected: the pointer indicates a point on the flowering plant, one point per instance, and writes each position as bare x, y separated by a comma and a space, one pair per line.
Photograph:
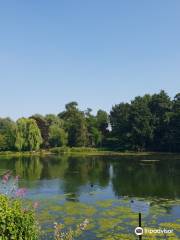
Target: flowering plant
59, 234
9, 186
16, 222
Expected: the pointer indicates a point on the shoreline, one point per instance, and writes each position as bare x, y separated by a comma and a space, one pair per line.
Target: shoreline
80, 151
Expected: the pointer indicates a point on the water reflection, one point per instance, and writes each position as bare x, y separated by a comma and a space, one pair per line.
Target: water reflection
126, 176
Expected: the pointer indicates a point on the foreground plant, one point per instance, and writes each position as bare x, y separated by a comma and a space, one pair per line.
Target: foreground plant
16, 222
60, 234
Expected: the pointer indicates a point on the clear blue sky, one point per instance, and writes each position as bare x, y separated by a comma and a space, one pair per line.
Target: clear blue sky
96, 52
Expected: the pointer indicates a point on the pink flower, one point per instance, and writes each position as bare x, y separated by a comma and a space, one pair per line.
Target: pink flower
21, 192
5, 178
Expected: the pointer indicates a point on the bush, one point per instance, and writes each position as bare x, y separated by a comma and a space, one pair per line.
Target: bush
16, 223
59, 150
83, 149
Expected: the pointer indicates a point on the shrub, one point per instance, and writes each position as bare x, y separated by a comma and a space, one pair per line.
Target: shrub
16, 223
59, 150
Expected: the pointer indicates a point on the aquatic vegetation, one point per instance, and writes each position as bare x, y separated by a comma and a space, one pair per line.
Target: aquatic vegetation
109, 219
107, 223
70, 220
60, 234
72, 208
105, 203
170, 225
148, 236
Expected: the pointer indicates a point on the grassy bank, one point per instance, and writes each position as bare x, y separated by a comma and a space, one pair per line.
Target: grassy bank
71, 151
26, 153
92, 151
79, 151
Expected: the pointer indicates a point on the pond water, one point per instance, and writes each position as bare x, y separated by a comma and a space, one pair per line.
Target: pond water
70, 189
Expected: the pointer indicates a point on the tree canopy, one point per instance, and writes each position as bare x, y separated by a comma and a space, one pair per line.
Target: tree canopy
147, 123
28, 135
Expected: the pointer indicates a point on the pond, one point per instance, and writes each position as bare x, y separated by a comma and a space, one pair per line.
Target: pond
70, 189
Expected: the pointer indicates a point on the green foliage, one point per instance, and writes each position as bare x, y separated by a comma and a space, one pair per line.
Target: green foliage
141, 123
7, 134
75, 125
160, 107
16, 222
174, 125
151, 122
96, 137
65, 149
52, 119
102, 121
59, 150
97, 127
147, 123
57, 136
3, 143
28, 136
121, 126
43, 126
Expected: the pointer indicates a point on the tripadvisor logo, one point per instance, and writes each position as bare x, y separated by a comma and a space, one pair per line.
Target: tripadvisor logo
139, 231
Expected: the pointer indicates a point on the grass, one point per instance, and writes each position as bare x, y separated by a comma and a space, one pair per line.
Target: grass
26, 153
86, 151
93, 151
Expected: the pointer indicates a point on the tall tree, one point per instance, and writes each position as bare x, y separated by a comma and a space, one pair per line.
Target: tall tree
121, 127
141, 123
43, 127
53, 119
102, 121
160, 107
28, 135
94, 134
75, 124
174, 125
7, 134
57, 136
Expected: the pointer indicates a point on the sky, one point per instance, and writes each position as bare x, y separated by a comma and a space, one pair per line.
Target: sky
96, 52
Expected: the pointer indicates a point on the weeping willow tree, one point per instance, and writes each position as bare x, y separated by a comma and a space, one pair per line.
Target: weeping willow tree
28, 135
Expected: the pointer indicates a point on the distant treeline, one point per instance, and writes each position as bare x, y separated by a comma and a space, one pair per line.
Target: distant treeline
148, 123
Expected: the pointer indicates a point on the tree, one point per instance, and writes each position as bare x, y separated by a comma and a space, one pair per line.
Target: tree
28, 135
174, 125
120, 124
160, 107
43, 127
7, 134
102, 121
75, 125
140, 120
52, 119
94, 134
144, 124
96, 137
57, 136
3, 143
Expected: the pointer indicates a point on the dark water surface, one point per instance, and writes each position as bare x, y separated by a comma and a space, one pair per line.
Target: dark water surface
72, 188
